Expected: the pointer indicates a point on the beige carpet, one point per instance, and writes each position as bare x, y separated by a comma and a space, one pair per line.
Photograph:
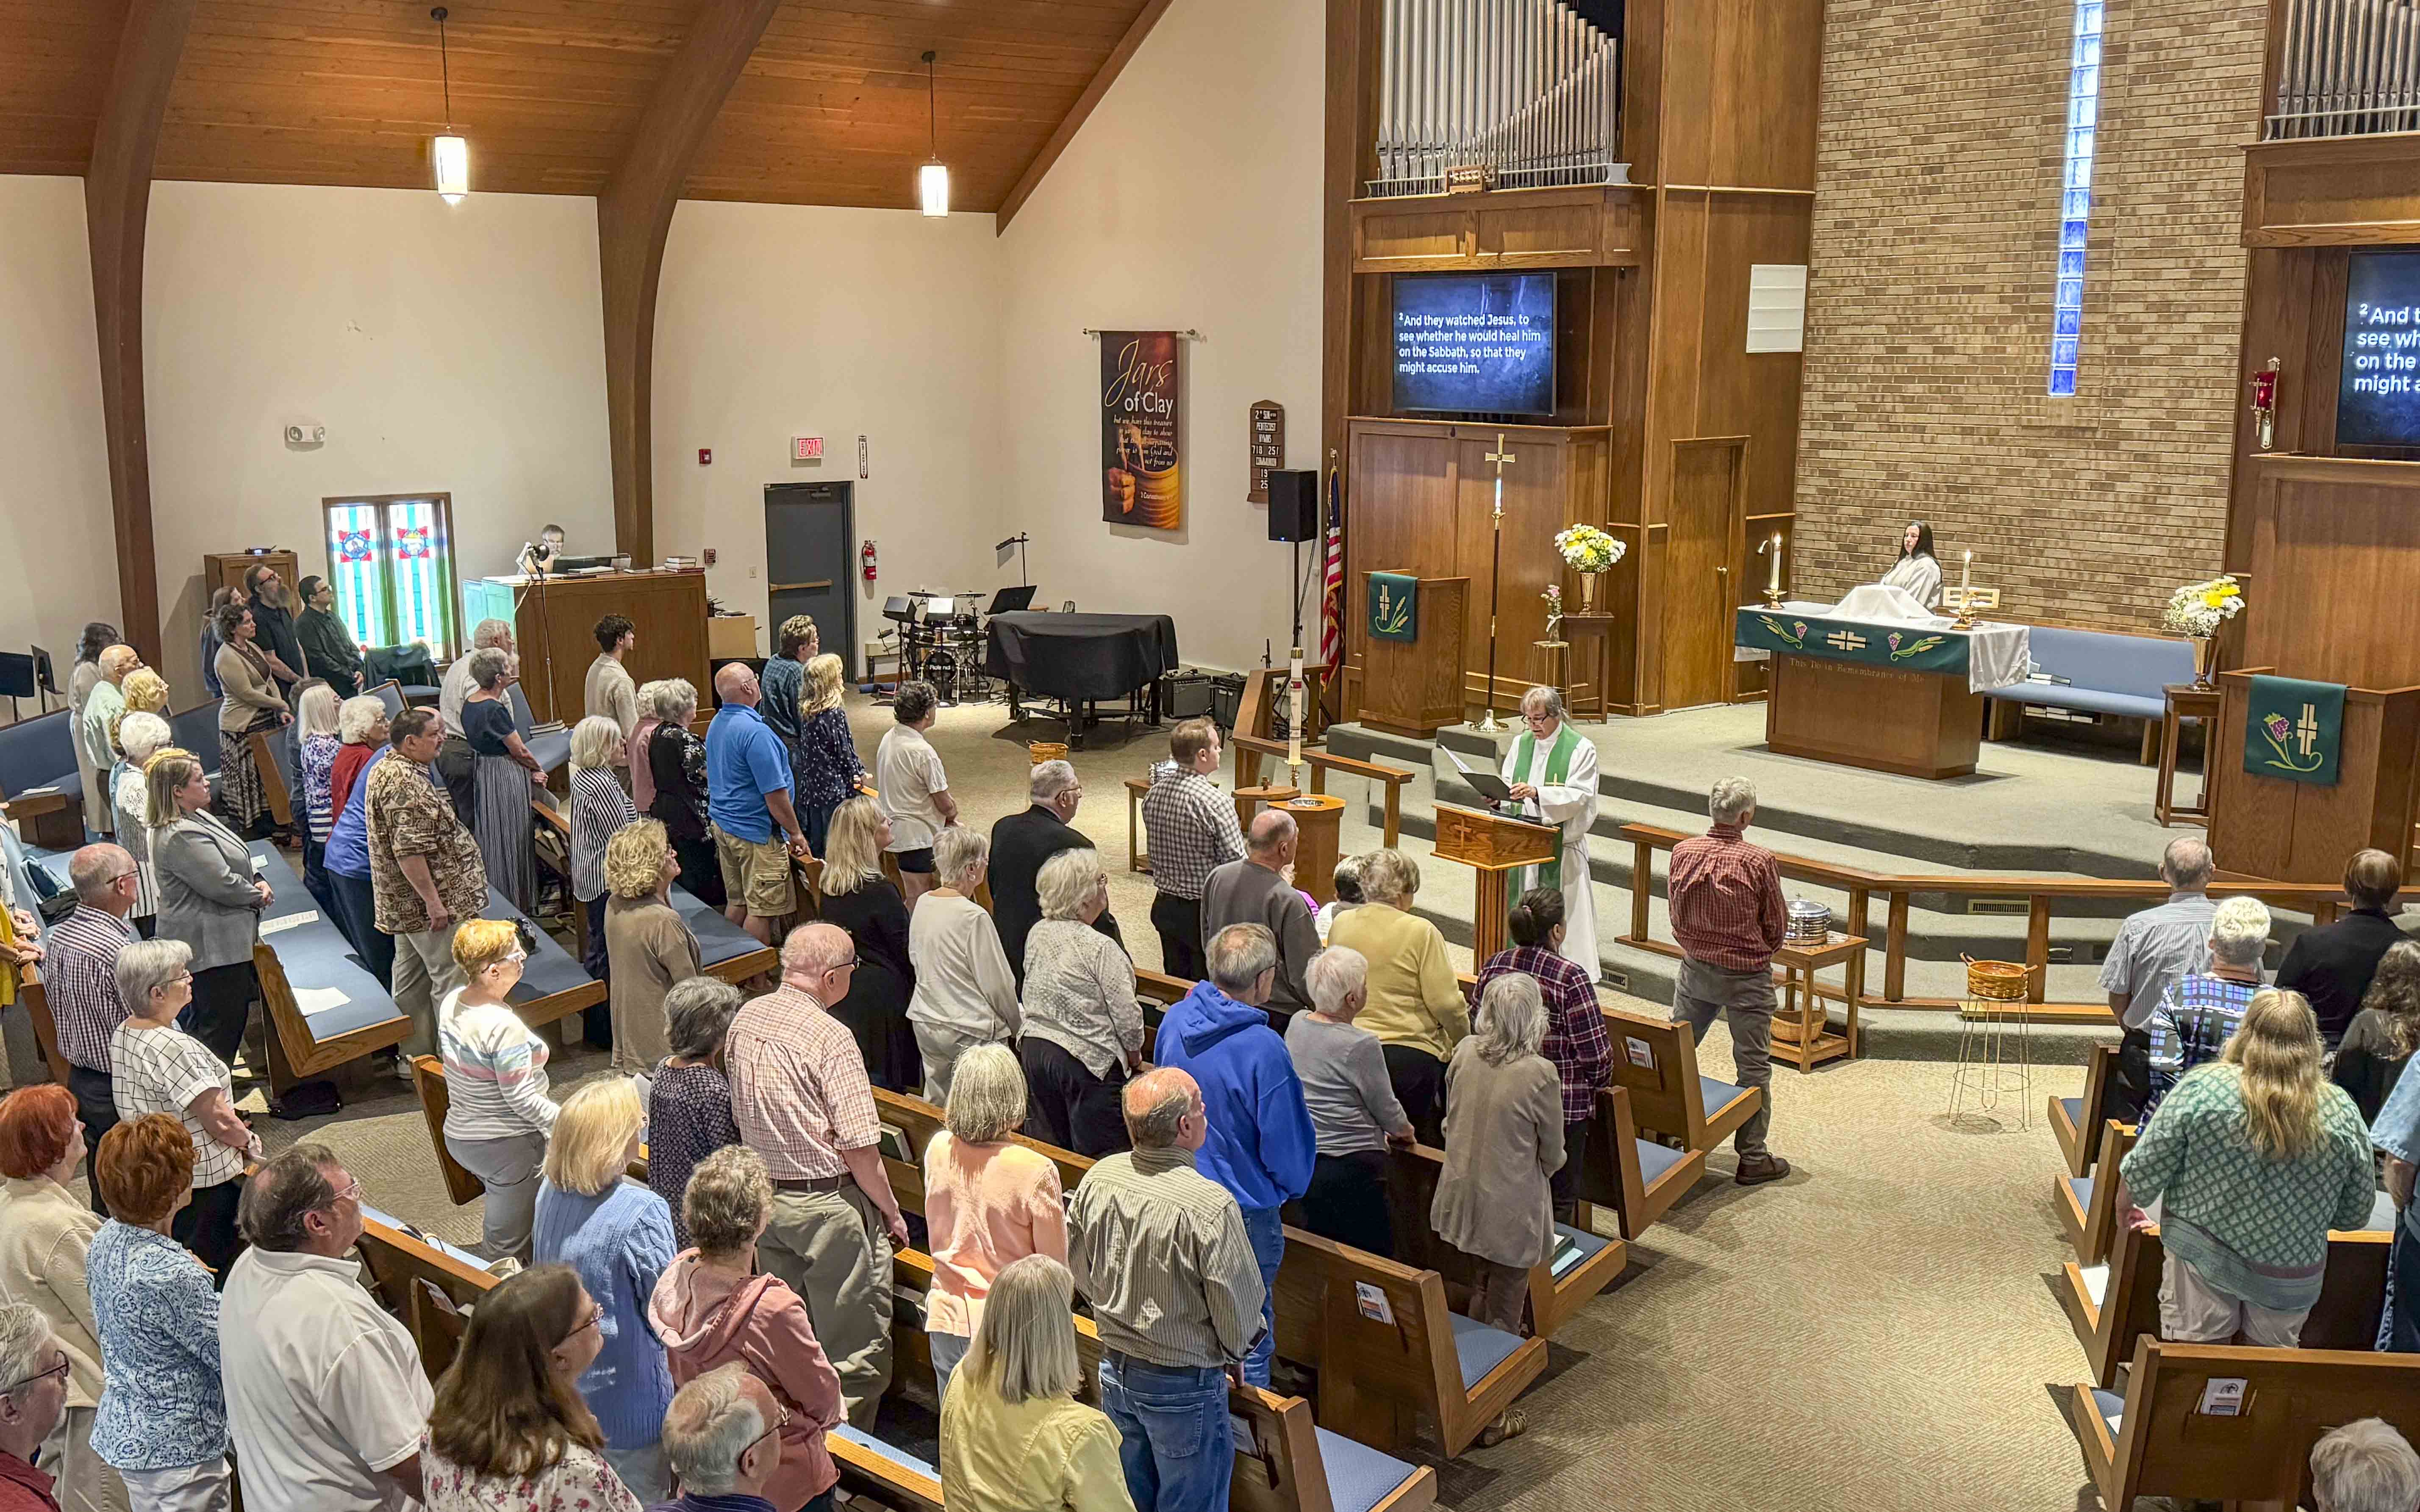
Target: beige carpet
1874, 1333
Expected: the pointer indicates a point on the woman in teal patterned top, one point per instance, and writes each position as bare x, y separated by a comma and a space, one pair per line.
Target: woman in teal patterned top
2256, 1157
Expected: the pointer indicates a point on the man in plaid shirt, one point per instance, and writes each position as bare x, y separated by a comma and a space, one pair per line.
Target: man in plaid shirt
1576, 1043
1727, 915
1192, 831
2198, 1012
80, 982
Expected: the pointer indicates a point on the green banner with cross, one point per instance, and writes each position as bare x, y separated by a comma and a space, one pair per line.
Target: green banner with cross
1911, 648
2294, 730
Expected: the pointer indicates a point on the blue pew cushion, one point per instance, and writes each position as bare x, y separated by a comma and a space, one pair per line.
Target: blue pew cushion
2081, 1186
550, 751
1359, 1477
888, 1451
1480, 1347
2112, 1407
1583, 1247
2381, 1215
2108, 673
1718, 1095
2075, 1109
1654, 1159
39, 753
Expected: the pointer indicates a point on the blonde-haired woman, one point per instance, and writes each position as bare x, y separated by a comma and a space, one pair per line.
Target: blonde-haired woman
826, 771
210, 897
141, 738
988, 1201
2253, 1157
964, 994
315, 744
599, 810
1415, 1006
618, 1235
1503, 1144
649, 947
1013, 1435
860, 899
498, 1114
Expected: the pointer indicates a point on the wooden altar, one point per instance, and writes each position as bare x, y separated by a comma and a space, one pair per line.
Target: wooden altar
1884, 718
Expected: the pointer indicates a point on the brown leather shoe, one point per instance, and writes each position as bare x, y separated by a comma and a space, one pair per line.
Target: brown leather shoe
1756, 1173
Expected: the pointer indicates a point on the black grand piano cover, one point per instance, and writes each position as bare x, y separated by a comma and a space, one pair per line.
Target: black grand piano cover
1079, 656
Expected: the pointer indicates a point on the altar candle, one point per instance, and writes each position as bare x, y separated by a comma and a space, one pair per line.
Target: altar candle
1776, 582
1966, 573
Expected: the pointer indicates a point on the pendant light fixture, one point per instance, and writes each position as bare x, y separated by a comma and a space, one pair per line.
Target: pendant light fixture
933, 179
450, 153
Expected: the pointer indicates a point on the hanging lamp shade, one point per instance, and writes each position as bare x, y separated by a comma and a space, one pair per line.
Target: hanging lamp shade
448, 153
933, 179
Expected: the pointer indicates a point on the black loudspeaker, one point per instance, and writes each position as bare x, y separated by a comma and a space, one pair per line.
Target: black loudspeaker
1294, 506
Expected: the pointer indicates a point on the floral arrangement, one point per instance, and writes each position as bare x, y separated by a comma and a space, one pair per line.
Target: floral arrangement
1586, 548
2199, 608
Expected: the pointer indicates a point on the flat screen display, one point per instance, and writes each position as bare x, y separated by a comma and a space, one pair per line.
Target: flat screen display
2378, 400
1475, 342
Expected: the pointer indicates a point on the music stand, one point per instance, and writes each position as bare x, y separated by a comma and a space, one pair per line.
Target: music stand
46, 675
1012, 600
17, 679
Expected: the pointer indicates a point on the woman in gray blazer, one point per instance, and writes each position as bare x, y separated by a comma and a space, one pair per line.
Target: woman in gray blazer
209, 897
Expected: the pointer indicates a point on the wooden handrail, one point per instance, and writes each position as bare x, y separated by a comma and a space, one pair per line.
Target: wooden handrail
1321, 763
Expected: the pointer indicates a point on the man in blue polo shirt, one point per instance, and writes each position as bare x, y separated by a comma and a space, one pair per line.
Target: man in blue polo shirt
748, 803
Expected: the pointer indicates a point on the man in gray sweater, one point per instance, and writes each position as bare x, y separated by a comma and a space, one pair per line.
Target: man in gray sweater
1255, 890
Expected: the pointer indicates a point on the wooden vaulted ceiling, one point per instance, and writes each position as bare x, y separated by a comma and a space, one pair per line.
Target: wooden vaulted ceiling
830, 109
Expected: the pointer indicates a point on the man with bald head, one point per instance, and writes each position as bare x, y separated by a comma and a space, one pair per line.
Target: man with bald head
800, 1097
1258, 889
2154, 949
1160, 1251
101, 709
756, 829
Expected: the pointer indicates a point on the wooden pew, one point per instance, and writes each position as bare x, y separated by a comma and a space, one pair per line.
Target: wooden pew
2087, 1205
1639, 1179
1668, 1095
2157, 1441
2071, 1118
1412, 1176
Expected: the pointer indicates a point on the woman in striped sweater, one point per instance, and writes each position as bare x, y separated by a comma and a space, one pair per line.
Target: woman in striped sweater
498, 1115
598, 808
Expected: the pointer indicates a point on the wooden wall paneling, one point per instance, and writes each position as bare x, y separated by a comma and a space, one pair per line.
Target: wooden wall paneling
1349, 157
2343, 191
1643, 86
2336, 542
1765, 65
1744, 393
1401, 517
1105, 76
1627, 500
118, 209
1537, 504
1676, 323
1709, 482
633, 214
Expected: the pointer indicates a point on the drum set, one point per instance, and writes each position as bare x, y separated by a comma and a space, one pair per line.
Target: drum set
942, 637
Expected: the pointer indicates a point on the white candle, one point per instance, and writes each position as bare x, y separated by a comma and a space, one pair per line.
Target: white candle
1776, 564
1966, 573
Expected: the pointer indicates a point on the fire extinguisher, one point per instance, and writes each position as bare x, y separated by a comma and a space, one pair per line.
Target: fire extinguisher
866, 555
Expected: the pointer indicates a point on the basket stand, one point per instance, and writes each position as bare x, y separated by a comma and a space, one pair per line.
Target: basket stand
1994, 1047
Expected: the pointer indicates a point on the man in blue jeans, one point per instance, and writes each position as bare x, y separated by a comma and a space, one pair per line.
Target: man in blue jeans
1161, 1252
1262, 1147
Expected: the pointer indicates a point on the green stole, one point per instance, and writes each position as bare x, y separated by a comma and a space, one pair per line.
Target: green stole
1559, 767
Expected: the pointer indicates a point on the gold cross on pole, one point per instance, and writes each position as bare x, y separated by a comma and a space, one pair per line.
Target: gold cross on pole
1500, 456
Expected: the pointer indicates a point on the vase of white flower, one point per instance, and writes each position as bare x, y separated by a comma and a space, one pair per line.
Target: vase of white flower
1591, 553
2197, 611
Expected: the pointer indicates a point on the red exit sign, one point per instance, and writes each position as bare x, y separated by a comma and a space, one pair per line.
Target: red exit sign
806, 448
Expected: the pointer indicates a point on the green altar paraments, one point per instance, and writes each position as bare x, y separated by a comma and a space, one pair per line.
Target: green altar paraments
1913, 649
1394, 606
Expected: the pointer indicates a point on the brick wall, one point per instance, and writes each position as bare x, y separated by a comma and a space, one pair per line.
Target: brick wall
1929, 307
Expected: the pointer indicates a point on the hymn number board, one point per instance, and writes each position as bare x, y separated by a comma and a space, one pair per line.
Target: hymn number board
1268, 446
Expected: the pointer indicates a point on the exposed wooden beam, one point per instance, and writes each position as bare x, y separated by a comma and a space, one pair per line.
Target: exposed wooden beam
633, 214
1112, 67
116, 208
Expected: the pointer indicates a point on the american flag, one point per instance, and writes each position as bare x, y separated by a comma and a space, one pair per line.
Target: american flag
1331, 605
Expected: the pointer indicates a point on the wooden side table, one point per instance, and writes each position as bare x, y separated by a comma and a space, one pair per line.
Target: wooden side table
1583, 630
1802, 1027
2183, 702
1136, 859
1249, 801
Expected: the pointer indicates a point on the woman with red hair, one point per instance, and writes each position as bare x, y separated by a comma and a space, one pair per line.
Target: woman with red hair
45, 1233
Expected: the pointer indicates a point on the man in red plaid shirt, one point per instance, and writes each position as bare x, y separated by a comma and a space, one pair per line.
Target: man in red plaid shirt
1728, 916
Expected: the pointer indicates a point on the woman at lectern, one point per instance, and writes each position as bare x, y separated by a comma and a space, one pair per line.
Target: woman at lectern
1916, 570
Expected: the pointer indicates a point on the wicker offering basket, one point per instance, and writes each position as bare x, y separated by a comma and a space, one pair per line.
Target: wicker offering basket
1995, 982
1047, 750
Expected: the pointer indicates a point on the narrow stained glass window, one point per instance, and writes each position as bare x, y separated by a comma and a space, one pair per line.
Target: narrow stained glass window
2075, 198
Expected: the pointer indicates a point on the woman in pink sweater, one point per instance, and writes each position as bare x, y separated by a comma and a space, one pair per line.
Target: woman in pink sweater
988, 1201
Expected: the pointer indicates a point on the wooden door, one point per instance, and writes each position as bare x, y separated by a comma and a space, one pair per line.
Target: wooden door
1703, 511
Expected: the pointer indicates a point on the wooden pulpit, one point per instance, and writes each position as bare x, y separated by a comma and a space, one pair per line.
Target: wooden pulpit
1495, 847
1414, 687
2262, 826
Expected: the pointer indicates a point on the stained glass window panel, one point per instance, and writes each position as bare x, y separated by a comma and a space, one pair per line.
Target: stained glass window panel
356, 573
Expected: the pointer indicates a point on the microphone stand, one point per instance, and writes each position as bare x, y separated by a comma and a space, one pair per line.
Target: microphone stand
1024, 579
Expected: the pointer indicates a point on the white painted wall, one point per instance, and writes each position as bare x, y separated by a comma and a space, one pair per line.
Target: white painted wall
782, 320
1191, 198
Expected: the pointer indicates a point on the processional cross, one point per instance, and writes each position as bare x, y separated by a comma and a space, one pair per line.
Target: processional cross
1501, 456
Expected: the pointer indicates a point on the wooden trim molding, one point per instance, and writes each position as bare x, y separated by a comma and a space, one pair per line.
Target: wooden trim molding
633, 214
1036, 171
117, 208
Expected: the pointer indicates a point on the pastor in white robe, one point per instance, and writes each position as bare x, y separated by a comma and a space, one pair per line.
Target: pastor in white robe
1571, 803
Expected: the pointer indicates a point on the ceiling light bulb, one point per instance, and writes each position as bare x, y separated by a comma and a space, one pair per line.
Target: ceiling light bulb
452, 158
933, 188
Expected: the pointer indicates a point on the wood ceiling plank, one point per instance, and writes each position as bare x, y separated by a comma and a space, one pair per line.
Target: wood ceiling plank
1112, 67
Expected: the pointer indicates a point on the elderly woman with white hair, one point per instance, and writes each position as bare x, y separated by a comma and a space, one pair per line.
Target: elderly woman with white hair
140, 736
155, 1066
1503, 1142
1354, 1109
360, 723
988, 1201
2199, 1010
964, 994
1551, 769
2365, 1466
1083, 1025
1013, 1435
1415, 1006
32, 1404
599, 809
503, 773
676, 771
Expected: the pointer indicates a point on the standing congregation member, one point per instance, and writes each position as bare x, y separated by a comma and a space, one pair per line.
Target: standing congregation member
988, 1201
860, 899
509, 1429
1355, 1114
1021, 842
827, 771
714, 1308
1916, 570
1728, 918
783, 678
1013, 1438
1551, 770
1347, 879
1083, 1026
503, 773
2201, 1008
756, 833
599, 810
1415, 1007
2154, 947
456, 765
609, 690
2253, 1158
688, 1098
154, 1067
425, 875
45, 1234
1192, 831
211, 898
1503, 1142
964, 994
1258, 889
2396, 1133
618, 1235
2376, 1049
721, 1439
272, 612
1262, 1145
2332, 964
98, 637
642, 776
1576, 1042
80, 977
254, 703
676, 770
38, 1366
362, 722
316, 742
209, 641
498, 1114
800, 1094
330, 648
325, 1394
915, 790
101, 711
141, 736
649, 946
2365, 1466
161, 1423
1171, 1332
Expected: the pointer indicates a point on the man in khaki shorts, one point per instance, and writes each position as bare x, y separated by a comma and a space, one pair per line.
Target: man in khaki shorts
757, 832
